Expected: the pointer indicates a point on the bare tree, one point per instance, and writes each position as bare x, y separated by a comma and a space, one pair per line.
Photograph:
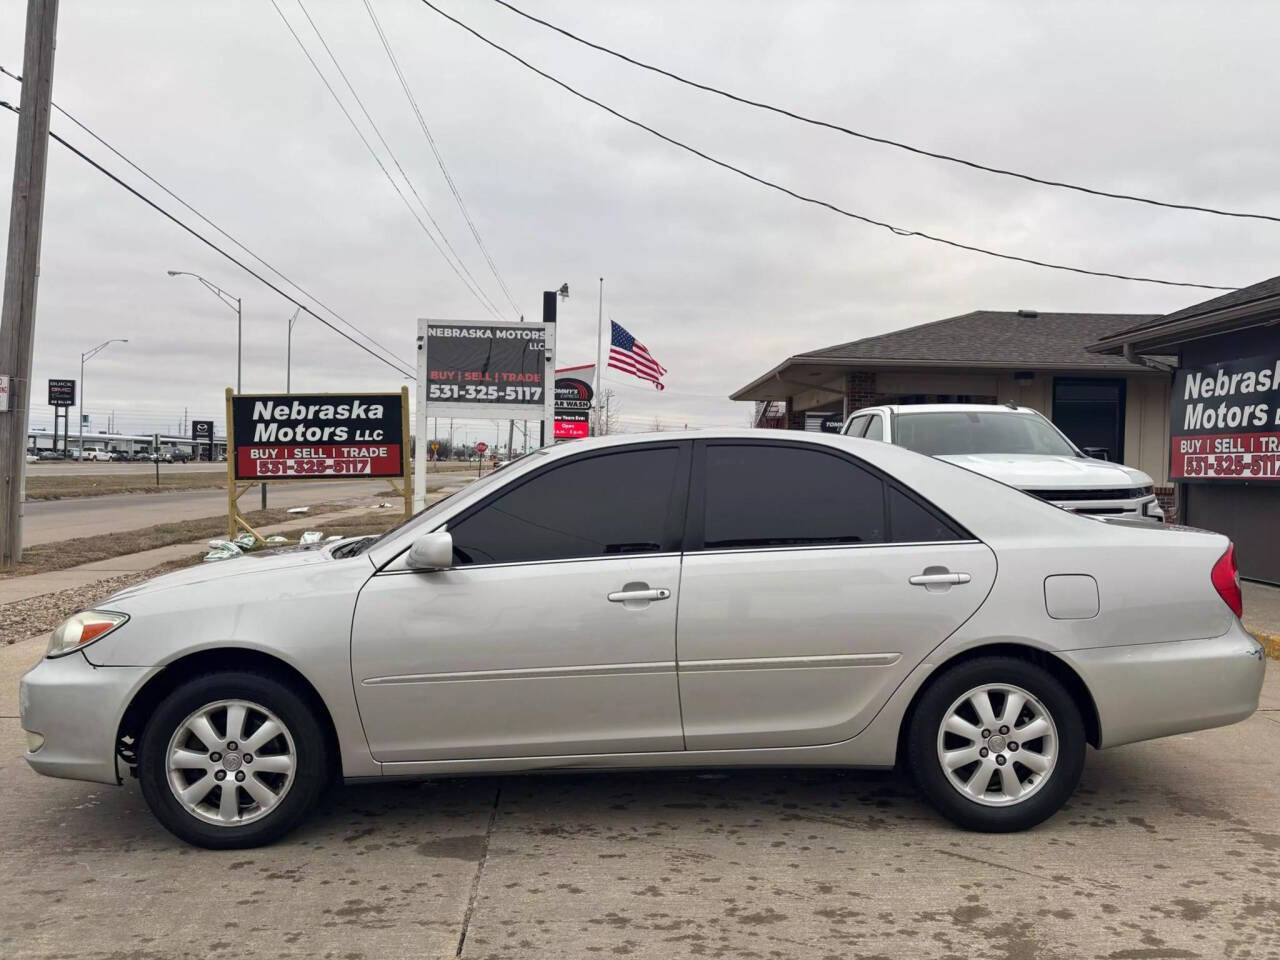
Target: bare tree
606, 415
657, 426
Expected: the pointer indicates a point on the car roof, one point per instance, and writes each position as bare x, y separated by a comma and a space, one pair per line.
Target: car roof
949, 408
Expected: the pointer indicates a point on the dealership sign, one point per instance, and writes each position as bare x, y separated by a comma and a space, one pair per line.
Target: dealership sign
1225, 421
500, 367
62, 393
483, 370
573, 401
317, 435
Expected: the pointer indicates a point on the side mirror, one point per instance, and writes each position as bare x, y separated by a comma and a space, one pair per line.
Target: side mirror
431, 551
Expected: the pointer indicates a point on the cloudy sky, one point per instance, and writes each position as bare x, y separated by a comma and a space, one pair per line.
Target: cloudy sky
718, 276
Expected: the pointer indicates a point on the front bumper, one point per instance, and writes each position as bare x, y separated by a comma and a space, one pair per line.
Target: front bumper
77, 708
1147, 690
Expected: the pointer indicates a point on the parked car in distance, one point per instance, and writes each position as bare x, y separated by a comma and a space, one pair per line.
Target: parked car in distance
841, 603
179, 456
95, 455
46, 455
1017, 446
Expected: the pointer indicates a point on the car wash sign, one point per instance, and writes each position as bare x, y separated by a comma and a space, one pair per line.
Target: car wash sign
1225, 421
323, 435
573, 401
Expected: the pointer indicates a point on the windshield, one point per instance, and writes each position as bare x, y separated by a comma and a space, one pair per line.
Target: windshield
969, 431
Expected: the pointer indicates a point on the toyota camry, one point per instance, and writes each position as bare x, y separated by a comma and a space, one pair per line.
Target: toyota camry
728, 598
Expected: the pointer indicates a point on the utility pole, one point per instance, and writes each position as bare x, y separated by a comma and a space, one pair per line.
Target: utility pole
22, 267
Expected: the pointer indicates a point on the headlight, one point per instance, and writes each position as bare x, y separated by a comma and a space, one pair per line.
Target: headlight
82, 629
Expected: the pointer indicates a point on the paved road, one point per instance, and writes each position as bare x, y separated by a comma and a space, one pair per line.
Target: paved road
1170, 849
57, 468
47, 521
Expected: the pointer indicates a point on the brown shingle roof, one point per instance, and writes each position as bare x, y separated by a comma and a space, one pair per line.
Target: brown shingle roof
985, 337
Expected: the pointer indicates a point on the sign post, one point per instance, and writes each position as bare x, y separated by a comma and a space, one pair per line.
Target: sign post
318, 436
482, 370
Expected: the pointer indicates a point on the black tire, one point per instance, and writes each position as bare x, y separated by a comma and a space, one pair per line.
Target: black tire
311, 763
927, 770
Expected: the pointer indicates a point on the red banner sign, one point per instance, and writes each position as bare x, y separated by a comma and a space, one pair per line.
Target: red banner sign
336, 460
1226, 456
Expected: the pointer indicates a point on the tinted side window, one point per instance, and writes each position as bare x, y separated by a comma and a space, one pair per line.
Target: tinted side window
760, 496
913, 523
856, 426
612, 504
875, 429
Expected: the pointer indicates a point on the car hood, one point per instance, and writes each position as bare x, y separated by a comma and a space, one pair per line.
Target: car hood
1043, 472
250, 564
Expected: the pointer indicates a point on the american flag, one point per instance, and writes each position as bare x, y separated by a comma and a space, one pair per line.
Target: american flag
629, 355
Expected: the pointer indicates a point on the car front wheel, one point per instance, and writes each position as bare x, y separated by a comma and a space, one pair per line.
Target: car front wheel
232, 760
996, 744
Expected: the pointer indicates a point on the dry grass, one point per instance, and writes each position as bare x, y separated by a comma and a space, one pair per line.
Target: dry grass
46, 486
46, 557
55, 487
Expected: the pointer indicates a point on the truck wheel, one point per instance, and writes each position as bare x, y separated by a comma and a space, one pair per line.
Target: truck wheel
232, 760
996, 744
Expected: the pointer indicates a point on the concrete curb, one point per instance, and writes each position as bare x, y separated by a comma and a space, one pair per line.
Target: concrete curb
1270, 643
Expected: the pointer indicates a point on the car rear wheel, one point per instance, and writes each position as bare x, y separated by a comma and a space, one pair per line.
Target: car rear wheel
996, 744
232, 760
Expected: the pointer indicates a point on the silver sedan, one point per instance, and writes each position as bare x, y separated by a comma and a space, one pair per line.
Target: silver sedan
693, 600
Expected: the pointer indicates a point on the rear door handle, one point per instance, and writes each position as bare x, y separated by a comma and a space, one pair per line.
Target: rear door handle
938, 579
628, 596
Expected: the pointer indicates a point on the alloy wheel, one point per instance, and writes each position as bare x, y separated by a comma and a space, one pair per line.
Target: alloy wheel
231, 762
997, 744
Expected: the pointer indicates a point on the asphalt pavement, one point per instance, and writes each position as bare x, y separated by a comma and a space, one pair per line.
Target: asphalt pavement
1170, 849
47, 521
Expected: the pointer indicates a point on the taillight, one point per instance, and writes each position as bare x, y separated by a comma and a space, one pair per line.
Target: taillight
1226, 580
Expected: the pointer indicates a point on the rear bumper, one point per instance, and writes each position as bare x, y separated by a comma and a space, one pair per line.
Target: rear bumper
76, 707
1151, 690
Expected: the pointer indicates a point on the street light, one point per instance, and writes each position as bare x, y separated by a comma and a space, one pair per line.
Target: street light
288, 353
84, 358
228, 299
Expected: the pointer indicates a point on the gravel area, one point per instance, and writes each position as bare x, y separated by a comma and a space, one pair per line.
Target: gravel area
29, 618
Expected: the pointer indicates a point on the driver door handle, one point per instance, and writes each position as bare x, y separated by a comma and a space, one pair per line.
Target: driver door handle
938, 579
629, 596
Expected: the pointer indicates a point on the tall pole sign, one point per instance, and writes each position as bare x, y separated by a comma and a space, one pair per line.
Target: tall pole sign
202, 433
482, 370
17, 315
62, 396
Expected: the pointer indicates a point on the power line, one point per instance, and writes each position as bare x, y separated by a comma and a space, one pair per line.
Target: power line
378, 160
899, 231
190, 208
213, 246
972, 164
396, 160
448, 178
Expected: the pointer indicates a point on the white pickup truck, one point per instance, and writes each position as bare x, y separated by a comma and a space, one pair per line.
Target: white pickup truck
1017, 446
96, 454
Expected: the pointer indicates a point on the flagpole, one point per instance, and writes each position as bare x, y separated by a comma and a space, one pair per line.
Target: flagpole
601, 428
